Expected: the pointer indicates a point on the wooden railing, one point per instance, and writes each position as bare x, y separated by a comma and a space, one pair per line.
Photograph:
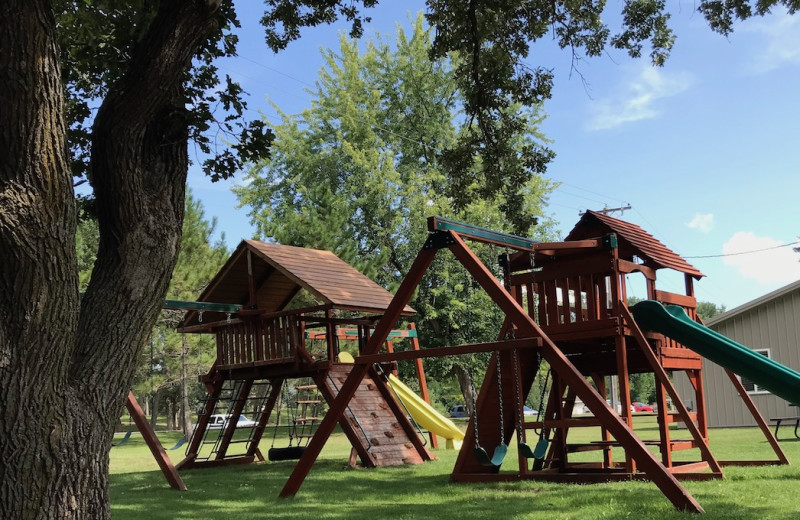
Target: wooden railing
556, 296
287, 336
259, 341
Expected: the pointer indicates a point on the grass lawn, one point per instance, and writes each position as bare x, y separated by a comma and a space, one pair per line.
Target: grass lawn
333, 490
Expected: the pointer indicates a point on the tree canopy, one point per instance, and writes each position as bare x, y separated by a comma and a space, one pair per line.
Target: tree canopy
360, 170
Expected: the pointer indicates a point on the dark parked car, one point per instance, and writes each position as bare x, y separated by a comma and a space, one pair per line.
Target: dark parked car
459, 410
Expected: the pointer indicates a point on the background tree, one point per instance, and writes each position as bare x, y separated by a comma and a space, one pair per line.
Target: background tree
147, 68
359, 171
707, 310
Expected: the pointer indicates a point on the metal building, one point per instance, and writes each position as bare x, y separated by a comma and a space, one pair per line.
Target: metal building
769, 325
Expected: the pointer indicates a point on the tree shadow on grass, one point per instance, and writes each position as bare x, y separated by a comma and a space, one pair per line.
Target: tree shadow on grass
334, 491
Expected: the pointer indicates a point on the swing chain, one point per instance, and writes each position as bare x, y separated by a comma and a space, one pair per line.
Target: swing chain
520, 412
543, 392
200, 317
474, 410
500, 398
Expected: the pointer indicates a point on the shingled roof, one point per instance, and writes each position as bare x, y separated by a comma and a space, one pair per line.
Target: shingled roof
633, 241
279, 272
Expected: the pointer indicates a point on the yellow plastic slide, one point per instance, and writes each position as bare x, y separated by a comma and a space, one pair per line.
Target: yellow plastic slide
425, 415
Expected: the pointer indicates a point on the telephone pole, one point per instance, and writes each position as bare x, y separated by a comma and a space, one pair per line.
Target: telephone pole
606, 210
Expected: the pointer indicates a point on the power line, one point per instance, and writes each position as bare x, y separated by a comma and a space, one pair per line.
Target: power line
254, 62
607, 197
747, 252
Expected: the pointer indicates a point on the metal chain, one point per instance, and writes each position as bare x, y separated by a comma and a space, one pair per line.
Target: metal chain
544, 391
474, 411
500, 397
520, 412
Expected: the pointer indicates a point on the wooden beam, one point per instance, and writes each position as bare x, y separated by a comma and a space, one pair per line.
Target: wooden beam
492, 346
149, 436
625, 266
760, 421
480, 234
181, 305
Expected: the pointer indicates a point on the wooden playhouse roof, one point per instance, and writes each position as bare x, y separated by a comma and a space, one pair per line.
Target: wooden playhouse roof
633, 241
279, 272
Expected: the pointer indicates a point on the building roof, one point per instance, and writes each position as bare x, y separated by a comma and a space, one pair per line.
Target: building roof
774, 295
633, 241
279, 272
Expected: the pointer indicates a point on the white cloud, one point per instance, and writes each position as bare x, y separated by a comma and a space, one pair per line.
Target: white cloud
637, 100
781, 34
702, 222
780, 265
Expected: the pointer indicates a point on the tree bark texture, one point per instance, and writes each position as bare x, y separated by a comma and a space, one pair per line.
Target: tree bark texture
65, 370
467, 386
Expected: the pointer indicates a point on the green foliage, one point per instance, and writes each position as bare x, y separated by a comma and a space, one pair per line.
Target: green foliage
359, 171
87, 237
707, 310
98, 39
643, 387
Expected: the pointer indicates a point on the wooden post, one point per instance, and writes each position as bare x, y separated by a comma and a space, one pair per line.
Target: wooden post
154, 444
608, 460
423, 382
663, 425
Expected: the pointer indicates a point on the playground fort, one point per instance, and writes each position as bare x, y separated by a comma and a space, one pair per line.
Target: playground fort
565, 308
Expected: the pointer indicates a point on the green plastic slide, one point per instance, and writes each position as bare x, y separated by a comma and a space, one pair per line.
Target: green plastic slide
673, 322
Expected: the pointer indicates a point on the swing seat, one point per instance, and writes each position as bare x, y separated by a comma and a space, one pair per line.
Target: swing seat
288, 453
540, 450
125, 439
179, 443
495, 460
499, 454
526, 450
482, 456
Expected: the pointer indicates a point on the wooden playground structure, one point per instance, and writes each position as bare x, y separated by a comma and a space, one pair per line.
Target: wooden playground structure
268, 344
564, 304
566, 314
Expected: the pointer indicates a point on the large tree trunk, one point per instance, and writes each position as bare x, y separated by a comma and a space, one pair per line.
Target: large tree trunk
65, 371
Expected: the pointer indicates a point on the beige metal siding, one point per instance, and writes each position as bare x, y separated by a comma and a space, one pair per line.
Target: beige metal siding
774, 325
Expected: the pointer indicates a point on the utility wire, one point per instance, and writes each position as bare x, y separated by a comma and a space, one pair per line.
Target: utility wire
746, 252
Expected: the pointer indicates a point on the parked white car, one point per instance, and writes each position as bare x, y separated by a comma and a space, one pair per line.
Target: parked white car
218, 421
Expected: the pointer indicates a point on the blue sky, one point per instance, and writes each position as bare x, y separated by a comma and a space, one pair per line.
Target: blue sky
706, 149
